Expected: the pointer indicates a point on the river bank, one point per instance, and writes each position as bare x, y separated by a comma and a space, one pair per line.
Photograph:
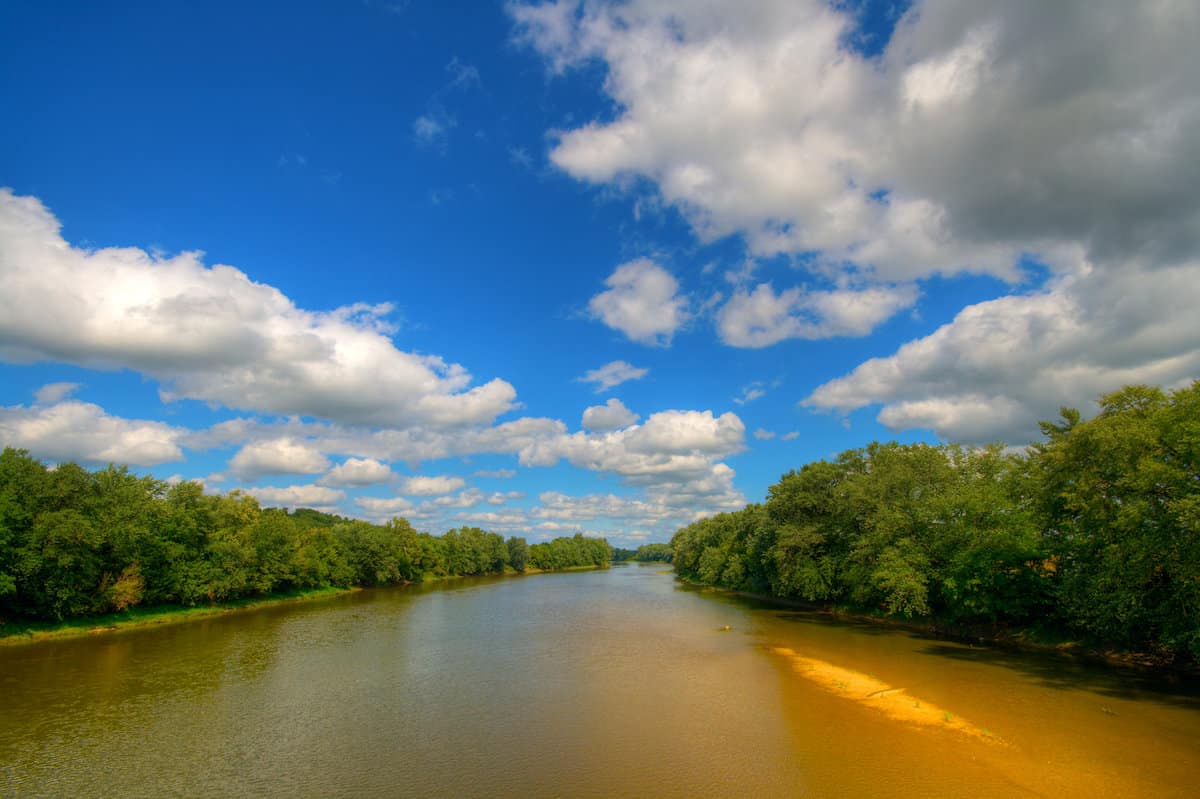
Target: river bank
25, 632
22, 632
615, 672
994, 636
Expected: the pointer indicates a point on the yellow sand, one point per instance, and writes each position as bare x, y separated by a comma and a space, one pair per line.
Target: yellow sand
895, 703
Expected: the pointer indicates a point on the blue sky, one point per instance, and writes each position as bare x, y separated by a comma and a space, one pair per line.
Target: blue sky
548, 267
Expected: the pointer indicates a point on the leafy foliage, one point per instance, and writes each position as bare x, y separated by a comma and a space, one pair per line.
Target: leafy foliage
1096, 530
78, 543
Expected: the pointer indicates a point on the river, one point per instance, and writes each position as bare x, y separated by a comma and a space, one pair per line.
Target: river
614, 683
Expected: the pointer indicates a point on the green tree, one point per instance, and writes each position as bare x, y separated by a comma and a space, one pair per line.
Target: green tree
518, 553
1120, 494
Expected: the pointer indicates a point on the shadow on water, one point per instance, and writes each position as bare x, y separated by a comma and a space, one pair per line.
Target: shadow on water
1050, 669
1068, 672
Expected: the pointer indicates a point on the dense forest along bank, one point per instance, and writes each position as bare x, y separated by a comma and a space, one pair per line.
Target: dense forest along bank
1090, 536
615, 682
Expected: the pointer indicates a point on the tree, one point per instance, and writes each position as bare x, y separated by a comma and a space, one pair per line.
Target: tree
1120, 494
518, 554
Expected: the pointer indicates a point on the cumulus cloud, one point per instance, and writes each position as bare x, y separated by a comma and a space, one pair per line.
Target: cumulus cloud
501, 497
613, 374
660, 508
277, 456
496, 521
51, 393
212, 334
1002, 365
298, 496
609, 416
980, 136
384, 507
982, 131
669, 445
642, 302
412, 446
763, 434
761, 318
671, 448
81, 431
358, 472
430, 486
463, 499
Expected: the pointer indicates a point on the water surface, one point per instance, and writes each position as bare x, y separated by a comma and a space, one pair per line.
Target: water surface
608, 683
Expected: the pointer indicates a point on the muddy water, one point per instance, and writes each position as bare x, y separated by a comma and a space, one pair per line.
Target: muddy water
613, 683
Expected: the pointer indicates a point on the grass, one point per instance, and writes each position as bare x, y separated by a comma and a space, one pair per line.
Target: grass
20, 632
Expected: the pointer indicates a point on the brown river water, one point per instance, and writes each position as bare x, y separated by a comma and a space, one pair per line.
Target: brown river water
616, 683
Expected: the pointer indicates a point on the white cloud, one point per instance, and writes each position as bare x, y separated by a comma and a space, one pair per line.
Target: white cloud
1002, 365
675, 449
763, 435
298, 496
212, 334
761, 318
495, 521
463, 499
792, 436
358, 472
277, 456
688, 431
609, 416
673, 445
983, 134
663, 509
671, 460
429, 486
613, 374
750, 393
642, 302
500, 498
385, 507
983, 131
412, 446
81, 431
52, 393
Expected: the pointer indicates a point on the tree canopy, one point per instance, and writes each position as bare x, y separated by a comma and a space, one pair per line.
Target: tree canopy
1096, 530
75, 542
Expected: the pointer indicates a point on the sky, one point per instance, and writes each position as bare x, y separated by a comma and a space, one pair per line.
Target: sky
600, 267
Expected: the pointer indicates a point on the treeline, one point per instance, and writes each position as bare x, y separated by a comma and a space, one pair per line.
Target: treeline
645, 553
570, 553
1096, 531
75, 542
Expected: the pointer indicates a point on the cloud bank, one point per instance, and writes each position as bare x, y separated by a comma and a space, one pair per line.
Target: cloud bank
212, 334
